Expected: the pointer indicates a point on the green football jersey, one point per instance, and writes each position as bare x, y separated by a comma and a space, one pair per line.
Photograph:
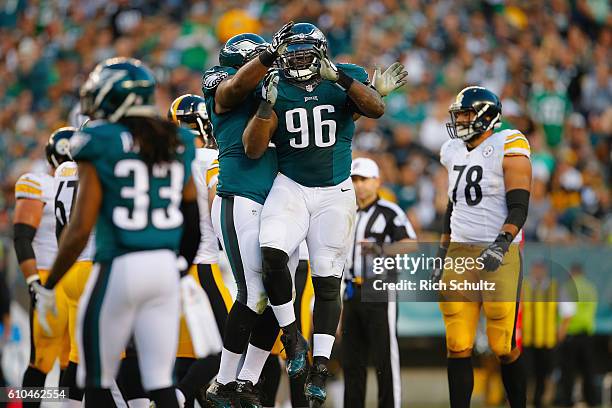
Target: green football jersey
140, 205
315, 130
238, 175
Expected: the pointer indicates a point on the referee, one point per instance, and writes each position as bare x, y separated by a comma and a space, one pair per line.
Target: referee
369, 328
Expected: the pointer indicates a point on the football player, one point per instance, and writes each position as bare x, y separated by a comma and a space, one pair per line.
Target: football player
489, 176
308, 111
135, 180
241, 191
190, 111
65, 189
36, 246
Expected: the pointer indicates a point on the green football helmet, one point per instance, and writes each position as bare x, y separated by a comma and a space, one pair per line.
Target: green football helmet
240, 49
300, 60
118, 87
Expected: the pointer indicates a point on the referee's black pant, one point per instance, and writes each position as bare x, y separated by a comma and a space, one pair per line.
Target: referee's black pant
369, 332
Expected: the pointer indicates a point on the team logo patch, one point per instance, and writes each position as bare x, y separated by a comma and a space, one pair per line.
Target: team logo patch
212, 80
487, 151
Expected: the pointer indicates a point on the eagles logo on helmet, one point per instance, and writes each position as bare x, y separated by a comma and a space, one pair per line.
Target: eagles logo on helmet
301, 58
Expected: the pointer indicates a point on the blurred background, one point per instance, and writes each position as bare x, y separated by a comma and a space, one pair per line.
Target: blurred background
549, 61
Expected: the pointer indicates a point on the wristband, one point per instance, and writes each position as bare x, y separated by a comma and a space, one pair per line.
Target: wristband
344, 81
32, 278
267, 58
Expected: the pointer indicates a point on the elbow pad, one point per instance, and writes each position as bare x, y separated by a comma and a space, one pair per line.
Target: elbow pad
23, 237
190, 240
517, 202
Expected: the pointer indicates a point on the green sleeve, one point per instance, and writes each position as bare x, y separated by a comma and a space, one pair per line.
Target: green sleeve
356, 72
189, 154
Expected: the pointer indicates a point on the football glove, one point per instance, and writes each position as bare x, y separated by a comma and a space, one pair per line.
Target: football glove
326, 69
30, 281
198, 312
436, 274
280, 40
393, 78
45, 303
269, 90
493, 255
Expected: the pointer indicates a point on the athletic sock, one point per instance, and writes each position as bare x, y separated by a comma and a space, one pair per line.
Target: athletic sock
253, 364
322, 345
228, 367
164, 397
514, 379
33, 377
98, 398
460, 381
69, 380
266, 330
199, 374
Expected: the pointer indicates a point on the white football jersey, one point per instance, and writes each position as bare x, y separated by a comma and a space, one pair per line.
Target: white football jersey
205, 170
476, 184
39, 186
66, 187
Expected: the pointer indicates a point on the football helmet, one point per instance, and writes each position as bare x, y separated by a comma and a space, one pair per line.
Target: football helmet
484, 103
301, 58
240, 49
58, 146
118, 87
190, 111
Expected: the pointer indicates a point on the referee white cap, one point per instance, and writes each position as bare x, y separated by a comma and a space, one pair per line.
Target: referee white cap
365, 167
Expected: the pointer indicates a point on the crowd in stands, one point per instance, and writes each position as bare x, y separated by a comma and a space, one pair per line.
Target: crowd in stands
549, 61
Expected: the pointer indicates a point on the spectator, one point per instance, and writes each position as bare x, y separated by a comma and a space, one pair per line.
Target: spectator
575, 334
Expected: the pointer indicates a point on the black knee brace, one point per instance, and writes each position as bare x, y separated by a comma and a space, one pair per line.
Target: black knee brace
276, 275
327, 306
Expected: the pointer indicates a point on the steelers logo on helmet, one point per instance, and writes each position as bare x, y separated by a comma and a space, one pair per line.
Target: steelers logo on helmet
189, 110
57, 149
482, 108
300, 60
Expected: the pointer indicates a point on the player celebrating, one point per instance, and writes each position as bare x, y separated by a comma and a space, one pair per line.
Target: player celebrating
36, 246
489, 177
241, 191
308, 110
134, 170
190, 111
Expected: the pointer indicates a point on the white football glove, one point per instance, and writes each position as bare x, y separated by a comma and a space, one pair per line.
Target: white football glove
269, 90
45, 303
326, 69
393, 78
198, 313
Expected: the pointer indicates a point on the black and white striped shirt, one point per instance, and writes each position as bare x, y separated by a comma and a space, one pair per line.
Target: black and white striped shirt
381, 222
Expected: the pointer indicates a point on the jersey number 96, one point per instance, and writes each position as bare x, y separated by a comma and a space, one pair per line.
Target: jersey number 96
297, 122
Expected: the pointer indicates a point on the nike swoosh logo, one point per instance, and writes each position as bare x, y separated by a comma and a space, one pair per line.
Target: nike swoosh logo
344, 190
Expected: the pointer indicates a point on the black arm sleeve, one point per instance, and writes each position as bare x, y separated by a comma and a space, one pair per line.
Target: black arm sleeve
517, 202
5, 297
190, 241
23, 235
446, 228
